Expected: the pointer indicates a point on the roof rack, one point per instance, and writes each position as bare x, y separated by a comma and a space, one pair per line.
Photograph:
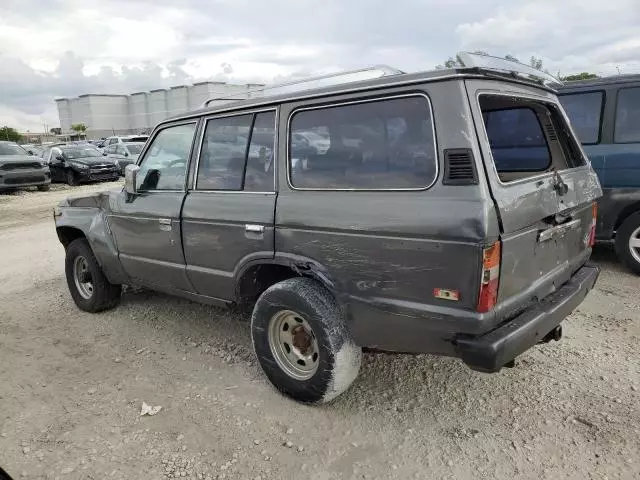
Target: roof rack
349, 76
497, 64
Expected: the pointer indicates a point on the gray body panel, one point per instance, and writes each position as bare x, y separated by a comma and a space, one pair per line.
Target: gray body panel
146, 229
89, 215
216, 241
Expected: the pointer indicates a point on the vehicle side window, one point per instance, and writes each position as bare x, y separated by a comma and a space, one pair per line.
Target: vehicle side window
55, 152
120, 149
382, 144
260, 164
223, 153
627, 126
585, 113
165, 162
516, 139
113, 141
109, 150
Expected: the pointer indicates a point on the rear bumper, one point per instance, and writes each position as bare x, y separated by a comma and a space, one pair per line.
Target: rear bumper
490, 351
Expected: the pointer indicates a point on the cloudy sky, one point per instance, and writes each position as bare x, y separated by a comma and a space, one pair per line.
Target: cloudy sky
52, 48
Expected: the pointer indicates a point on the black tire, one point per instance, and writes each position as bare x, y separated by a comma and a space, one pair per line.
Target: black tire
72, 178
104, 295
339, 358
623, 235
44, 188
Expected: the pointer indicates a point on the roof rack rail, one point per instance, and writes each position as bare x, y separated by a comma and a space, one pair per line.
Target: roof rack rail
338, 78
497, 64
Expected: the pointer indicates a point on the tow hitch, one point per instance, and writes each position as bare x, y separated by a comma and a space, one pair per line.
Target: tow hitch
555, 334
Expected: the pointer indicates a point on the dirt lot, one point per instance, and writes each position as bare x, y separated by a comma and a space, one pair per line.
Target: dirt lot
72, 384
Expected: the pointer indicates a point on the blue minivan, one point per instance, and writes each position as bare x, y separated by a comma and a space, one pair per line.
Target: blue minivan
605, 114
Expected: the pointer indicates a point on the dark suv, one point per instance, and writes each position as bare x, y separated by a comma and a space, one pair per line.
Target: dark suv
449, 212
78, 163
605, 113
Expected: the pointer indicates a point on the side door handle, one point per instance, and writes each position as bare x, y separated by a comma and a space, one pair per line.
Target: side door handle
254, 228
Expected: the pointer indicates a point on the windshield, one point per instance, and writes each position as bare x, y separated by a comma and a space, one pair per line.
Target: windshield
72, 153
135, 148
12, 149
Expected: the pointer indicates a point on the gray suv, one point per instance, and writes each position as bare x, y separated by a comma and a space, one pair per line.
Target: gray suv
448, 212
19, 168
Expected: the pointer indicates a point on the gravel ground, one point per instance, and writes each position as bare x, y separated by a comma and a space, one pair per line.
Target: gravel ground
72, 385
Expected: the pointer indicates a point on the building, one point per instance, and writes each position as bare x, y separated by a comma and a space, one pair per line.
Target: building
139, 112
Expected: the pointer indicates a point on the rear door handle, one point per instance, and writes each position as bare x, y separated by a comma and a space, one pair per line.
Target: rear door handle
254, 228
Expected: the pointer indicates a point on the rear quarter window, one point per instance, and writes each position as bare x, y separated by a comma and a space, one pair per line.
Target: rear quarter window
385, 144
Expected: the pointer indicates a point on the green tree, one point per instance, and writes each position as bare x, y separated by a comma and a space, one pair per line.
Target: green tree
536, 63
579, 76
10, 134
79, 127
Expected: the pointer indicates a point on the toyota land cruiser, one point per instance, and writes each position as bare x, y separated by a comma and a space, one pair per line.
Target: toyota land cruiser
450, 212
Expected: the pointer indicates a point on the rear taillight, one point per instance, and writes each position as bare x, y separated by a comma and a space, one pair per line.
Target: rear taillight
490, 278
594, 217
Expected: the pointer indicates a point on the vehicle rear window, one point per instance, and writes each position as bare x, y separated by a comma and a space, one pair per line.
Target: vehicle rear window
527, 136
627, 128
516, 139
585, 113
374, 145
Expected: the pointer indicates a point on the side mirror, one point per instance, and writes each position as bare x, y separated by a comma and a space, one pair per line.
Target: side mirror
130, 177
126, 154
104, 154
60, 158
30, 152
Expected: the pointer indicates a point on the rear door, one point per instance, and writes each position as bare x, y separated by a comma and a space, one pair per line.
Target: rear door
228, 215
542, 185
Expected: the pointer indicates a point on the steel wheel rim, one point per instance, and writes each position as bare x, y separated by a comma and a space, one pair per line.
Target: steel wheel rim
634, 244
82, 277
293, 344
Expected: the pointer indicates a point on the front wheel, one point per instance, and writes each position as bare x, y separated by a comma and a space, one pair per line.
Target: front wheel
72, 178
302, 343
89, 288
628, 242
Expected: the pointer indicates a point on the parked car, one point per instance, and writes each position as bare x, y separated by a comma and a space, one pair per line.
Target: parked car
118, 139
605, 113
123, 154
460, 223
19, 168
75, 164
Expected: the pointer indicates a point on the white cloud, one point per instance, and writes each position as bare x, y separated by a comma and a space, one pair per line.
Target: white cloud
68, 47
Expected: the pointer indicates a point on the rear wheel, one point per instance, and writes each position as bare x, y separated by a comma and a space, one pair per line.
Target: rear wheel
628, 242
72, 179
89, 288
302, 342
